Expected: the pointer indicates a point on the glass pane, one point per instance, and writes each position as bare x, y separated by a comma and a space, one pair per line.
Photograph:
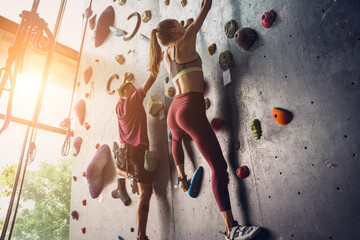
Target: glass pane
70, 29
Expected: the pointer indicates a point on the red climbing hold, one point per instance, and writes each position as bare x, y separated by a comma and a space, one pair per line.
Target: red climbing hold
268, 18
83, 230
84, 202
216, 124
106, 19
74, 178
242, 172
80, 110
77, 145
87, 75
282, 116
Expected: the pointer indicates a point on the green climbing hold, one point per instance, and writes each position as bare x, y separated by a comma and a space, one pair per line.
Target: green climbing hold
230, 28
225, 60
256, 128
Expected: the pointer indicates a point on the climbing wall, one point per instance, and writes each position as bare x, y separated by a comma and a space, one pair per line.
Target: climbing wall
106, 217
303, 181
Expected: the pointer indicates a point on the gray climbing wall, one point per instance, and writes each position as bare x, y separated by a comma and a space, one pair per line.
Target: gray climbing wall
303, 181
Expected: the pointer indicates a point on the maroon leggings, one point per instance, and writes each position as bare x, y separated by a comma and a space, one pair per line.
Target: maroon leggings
187, 114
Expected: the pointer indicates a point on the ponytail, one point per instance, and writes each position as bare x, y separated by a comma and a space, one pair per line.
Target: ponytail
155, 54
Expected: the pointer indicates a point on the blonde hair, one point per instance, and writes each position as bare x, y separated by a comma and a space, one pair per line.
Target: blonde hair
122, 88
163, 33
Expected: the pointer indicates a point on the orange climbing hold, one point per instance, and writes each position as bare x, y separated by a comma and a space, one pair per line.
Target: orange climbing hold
83, 230
84, 202
282, 116
97, 145
84, 174
87, 126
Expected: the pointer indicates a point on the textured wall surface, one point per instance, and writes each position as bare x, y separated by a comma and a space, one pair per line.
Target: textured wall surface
307, 63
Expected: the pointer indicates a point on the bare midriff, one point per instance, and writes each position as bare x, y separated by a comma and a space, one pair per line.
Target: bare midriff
190, 82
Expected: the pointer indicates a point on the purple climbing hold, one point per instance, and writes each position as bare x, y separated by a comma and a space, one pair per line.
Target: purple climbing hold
77, 145
80, 110
106, 19
94, 171
245, 38
75, 215
87, 75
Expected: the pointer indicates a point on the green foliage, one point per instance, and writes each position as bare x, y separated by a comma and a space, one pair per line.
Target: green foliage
49, 188
7, 176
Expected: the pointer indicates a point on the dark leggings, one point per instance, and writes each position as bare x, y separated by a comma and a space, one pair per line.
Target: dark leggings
187, 114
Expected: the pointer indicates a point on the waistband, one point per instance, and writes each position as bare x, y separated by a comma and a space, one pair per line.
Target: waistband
189, 94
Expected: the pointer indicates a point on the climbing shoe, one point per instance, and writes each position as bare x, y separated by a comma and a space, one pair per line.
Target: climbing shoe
238, 232
183, 184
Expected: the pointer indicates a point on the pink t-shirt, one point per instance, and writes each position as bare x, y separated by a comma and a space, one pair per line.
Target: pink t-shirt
132, 119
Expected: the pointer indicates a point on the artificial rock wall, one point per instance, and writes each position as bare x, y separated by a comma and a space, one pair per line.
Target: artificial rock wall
303, 181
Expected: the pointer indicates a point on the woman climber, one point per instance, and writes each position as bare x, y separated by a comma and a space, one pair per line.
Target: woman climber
134, 142
187, 111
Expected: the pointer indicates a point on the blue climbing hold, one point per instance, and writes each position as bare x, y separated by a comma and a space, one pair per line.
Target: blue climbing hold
195, 182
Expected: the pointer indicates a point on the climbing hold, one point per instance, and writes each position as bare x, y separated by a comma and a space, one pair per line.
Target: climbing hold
120, 192
211, 49
74, 178
132, 229
145, 38
216, 124
171, 91
150, 162
87, 95
331, 165
109, 83
96, 60
245, 38
83, 230
268, 18
86, 125
207, 103
92, 22
80, 110
282, 116
154, 105
97, 146
122, 2
225, 60
230, 28
117, 32
136, 27
83, 202
106, 19
87, 75
145, 16
119, 238
183, 3
94, 171
166, 2
166, 79
88, 12
128, 77
78, 84
256, 128
242, 172
84, 174
75, 215
120, 59
77, 145
237, 145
